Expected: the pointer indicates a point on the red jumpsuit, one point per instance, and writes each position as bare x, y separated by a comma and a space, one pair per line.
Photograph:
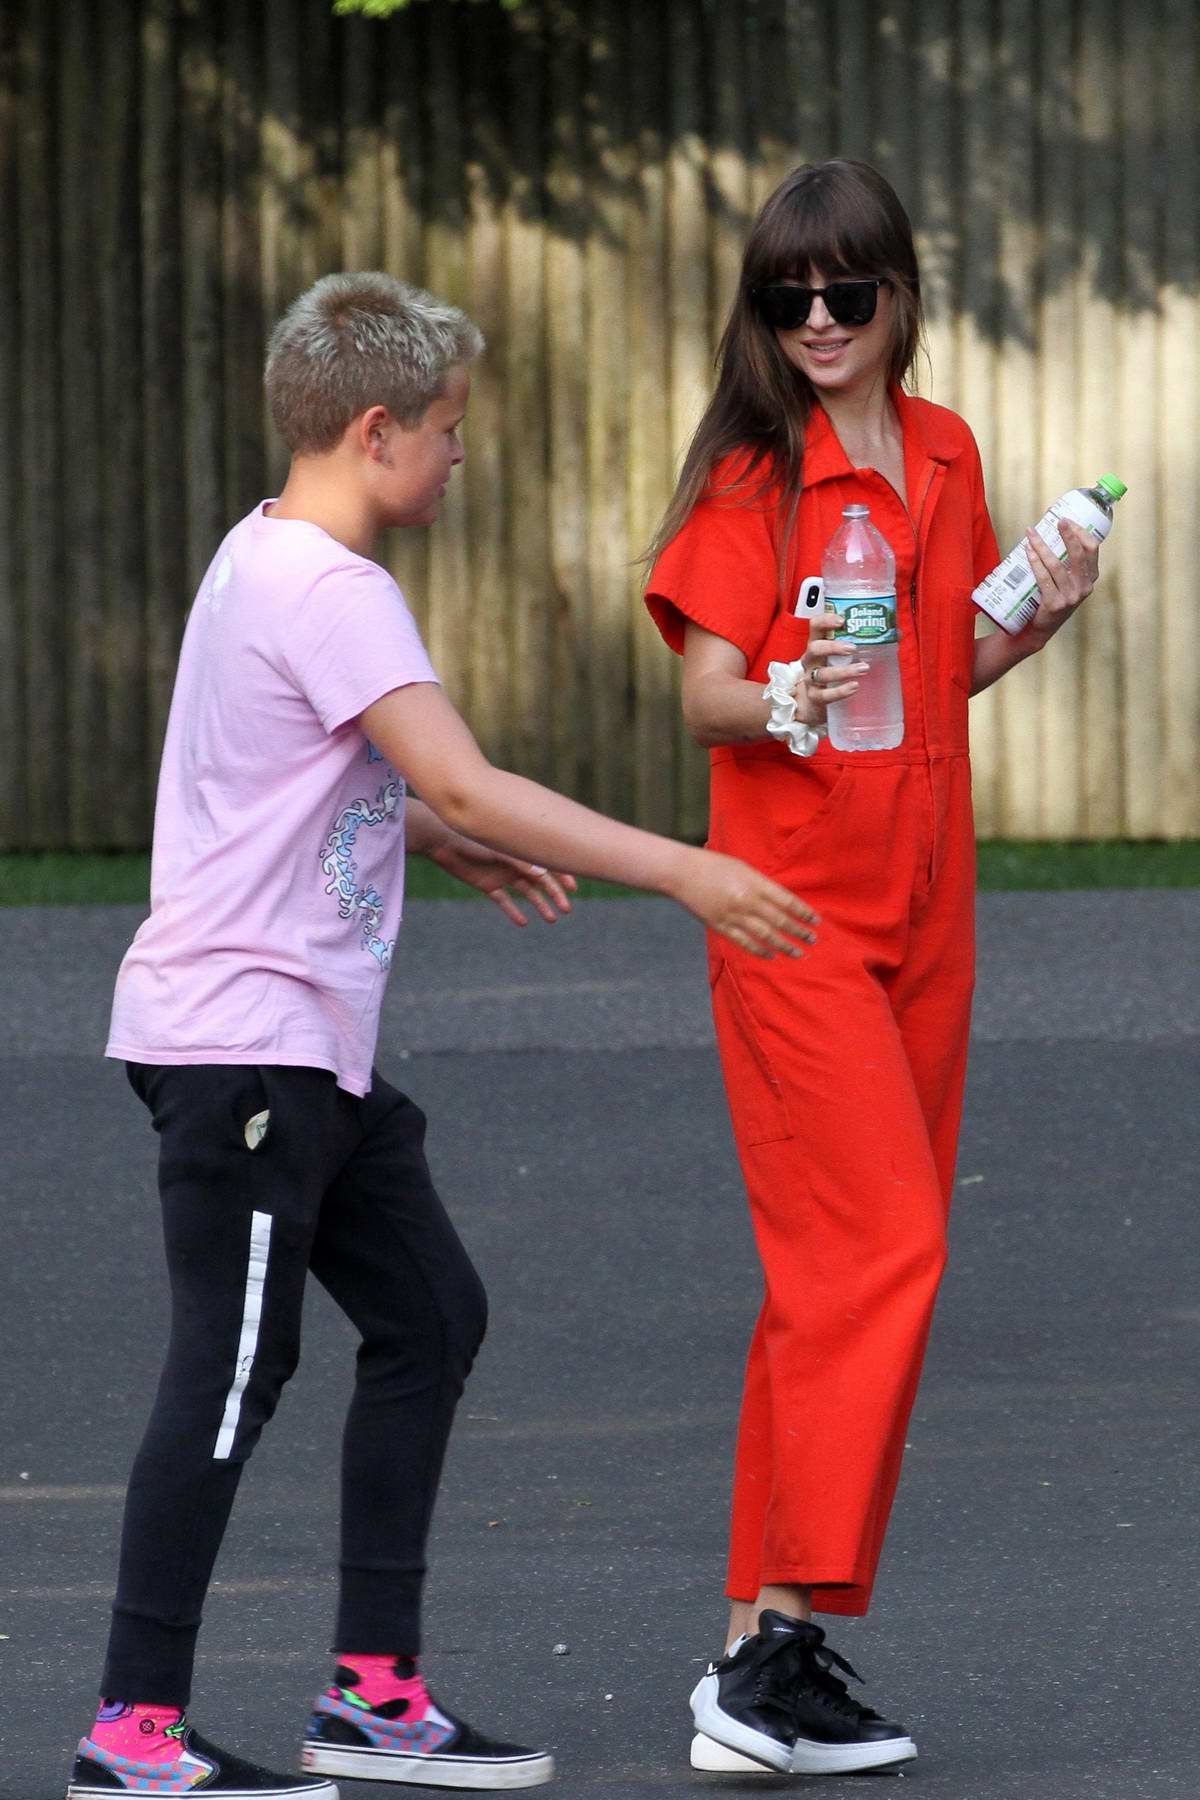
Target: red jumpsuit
844, 1071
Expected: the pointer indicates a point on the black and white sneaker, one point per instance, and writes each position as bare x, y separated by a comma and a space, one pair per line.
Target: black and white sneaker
776, 1698
377, 1743
715, 1759
200, 1769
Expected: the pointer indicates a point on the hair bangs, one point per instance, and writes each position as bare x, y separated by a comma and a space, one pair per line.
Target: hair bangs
828, 220
808, 235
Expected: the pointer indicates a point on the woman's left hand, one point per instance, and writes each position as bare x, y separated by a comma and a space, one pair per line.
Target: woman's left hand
1062, 586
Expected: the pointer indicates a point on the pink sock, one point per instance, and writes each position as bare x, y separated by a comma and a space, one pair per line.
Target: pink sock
378, 1679
139, 1732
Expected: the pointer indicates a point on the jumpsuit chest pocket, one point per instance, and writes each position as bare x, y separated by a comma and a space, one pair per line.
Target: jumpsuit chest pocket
956, 638
786, 641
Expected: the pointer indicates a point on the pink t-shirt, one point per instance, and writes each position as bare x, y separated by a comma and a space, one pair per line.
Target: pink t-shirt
278, 870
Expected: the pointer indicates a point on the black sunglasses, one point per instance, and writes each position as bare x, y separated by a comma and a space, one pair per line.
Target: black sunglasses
784, 307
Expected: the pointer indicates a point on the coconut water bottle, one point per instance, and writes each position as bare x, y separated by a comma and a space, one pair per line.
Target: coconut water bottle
859, 572
1010, 593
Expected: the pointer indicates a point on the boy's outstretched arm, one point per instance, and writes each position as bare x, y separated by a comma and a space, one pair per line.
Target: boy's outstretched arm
502, 878
422, 735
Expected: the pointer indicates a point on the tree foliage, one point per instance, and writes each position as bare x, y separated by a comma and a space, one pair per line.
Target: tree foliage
383, 9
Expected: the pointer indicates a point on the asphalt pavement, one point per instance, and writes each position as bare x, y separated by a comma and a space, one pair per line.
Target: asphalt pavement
1036, 1621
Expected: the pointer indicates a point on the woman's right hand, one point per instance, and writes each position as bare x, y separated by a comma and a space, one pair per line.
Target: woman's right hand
823, 682
743, 904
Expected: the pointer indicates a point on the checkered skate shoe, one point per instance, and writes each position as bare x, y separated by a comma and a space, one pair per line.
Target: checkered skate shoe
200, 1768
347, 1736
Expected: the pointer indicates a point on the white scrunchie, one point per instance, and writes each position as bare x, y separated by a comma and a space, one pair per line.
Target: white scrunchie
784, 678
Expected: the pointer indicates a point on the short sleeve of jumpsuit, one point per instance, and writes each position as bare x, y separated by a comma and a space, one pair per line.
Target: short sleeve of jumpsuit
844, 1071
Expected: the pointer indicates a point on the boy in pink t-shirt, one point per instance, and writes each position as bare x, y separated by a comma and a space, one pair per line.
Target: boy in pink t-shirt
246, 1012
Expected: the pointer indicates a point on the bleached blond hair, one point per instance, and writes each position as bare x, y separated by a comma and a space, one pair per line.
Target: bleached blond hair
354, 341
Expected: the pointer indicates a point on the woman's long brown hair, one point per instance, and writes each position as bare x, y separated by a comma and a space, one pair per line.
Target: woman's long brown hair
846, 220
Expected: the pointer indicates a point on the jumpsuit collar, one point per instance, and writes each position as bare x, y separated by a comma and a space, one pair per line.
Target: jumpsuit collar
924, 428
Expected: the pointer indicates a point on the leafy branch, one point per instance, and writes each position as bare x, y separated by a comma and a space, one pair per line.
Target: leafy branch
383, 9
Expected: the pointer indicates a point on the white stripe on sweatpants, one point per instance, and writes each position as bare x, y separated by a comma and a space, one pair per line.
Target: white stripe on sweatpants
256, 1275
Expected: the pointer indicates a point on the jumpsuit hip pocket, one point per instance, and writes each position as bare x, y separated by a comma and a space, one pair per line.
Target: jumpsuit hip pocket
826, 786
756, 1103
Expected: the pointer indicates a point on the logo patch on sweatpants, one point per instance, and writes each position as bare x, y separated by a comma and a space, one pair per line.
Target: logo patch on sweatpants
256, 1128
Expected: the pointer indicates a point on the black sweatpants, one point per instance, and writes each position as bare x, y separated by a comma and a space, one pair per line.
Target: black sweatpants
266, 1173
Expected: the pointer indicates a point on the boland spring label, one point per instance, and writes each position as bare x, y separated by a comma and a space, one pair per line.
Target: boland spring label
870, 619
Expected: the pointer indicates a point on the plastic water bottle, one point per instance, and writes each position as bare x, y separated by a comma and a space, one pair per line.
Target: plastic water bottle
859, 572
1010, 593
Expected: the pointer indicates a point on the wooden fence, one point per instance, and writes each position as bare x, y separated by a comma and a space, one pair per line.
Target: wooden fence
579, 174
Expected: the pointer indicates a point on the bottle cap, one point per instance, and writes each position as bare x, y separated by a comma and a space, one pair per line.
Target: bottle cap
1112, 486
856, 512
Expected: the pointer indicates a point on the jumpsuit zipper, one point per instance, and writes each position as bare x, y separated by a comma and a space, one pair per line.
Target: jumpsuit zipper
915, 526
921, 677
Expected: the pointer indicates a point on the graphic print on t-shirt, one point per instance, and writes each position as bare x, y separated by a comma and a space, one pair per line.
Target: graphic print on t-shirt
337, 860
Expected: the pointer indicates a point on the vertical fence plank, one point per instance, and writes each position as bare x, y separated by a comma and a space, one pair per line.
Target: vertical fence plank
324, 39
1138, 542
1020, 762
608, 415
1179, 388
771, 99
655, 676
932, 90
566, 401
82, 426
166, 413
855, 118
360, 212
728, 161
203, 393
1099, 328
528, 545
809, 70
41, 488
285, 183
978, 324
14, 747
400, 46
488, 696
448, 577
890, 53
1059, 784
242, 335
690, 300
123, 468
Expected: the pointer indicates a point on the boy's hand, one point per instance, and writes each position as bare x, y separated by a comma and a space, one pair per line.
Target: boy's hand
501, 877
744, 905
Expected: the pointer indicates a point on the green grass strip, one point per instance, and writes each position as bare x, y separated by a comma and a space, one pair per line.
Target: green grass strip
84, 878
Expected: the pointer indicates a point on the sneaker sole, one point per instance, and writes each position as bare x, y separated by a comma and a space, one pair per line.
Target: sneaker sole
716, 1759
428, 1771
320, 1790
809, 1758
711, 1722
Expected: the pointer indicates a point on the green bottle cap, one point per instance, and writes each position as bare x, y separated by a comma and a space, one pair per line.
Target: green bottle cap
1112, 486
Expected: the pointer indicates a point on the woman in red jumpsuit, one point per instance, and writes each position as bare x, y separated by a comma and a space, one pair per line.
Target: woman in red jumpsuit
844, 1072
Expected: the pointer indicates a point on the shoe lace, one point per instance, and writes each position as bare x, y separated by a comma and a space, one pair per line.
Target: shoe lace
818, 1662
794, 1666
